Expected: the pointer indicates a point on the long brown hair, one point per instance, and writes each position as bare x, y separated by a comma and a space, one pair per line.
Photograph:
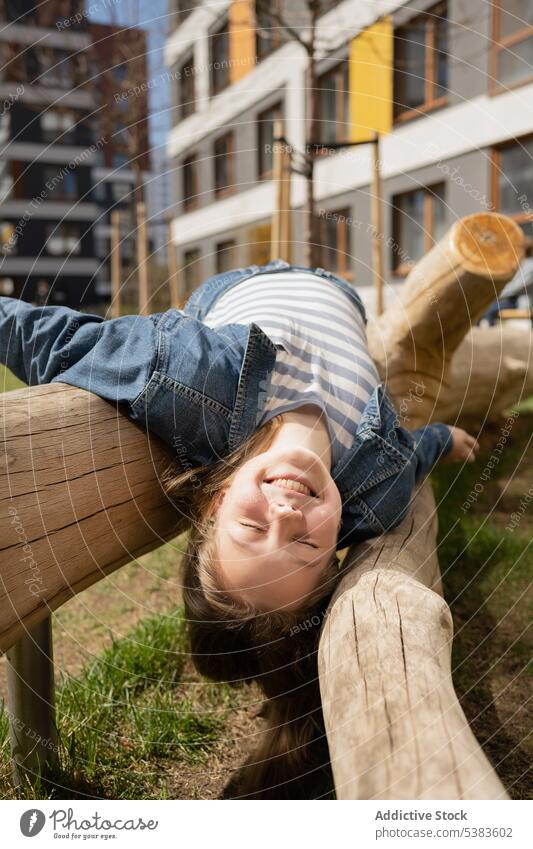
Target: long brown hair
232, 642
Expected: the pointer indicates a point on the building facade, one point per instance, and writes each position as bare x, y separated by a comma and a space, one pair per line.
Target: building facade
449, 84
64, 165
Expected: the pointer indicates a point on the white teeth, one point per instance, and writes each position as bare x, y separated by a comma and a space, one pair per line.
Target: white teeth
291, 484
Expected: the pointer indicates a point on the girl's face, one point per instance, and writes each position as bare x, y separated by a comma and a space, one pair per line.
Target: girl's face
276, 528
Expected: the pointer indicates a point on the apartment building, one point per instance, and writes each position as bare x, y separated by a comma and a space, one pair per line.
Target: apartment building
121, 173
448, 84
64, 164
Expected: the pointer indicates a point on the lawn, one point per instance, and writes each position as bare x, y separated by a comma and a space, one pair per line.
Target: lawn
136, 721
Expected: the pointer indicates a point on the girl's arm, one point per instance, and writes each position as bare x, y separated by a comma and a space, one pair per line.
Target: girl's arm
431, 443
174, 375
110, 358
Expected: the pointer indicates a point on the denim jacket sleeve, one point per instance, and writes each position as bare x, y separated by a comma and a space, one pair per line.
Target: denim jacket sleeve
429, 444
110, 358
175, 376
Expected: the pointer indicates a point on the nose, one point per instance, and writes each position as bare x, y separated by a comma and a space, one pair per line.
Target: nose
281, 510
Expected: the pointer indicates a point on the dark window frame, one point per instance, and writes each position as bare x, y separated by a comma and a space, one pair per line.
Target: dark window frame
498, 45
264, 46
496, 169
225, 248
190, 166
429, 18
343, 251
341, 74
220, 36
192, 259
187, 92
399, 267
277, 110
229, 187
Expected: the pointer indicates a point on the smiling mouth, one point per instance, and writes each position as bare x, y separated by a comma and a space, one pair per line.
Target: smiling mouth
292, 485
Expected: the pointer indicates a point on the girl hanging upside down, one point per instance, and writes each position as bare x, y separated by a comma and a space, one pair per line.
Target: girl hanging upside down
286, 449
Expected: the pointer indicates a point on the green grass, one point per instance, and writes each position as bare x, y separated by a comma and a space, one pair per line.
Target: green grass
8, 381
132, 709
487, 571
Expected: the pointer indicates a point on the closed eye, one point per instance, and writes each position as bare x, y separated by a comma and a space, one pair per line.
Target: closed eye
255, 527
306, 542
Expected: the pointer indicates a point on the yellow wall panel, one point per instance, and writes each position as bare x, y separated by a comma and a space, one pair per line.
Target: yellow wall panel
241, 38
370, 77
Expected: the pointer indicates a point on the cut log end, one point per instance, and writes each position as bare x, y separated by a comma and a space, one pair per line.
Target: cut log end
488, 244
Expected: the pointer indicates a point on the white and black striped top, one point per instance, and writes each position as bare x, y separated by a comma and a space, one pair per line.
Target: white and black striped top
322, 353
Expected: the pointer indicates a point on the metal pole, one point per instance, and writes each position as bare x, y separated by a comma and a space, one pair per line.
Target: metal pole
173, 274
31, 704
142, 258
277, 177
377, 226
115, 263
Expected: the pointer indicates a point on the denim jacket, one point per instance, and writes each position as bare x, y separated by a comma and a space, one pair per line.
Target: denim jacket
202, 390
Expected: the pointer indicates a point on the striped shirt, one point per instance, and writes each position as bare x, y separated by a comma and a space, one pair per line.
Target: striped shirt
322, 355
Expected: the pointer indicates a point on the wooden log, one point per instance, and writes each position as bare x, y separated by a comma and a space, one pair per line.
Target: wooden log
491, 370
394, 725
447, 291
79, 497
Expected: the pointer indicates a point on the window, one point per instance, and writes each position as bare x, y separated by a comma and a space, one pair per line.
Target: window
223, 159
119, 160
265, 139
333, 105
268, 33
512, 175
225, 256
335, 241
421, 64
58, 126
59, 182
55, 68
512, 45
186, 77
219, 69
192, 262
122, 192
419, 220
190, 182
63, 239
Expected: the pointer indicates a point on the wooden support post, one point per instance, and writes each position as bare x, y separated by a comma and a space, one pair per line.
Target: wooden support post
176, 299
377, 226
142, 259
114, 311
281, 218
30, 683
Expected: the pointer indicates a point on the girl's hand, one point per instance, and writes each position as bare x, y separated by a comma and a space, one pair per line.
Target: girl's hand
465, 446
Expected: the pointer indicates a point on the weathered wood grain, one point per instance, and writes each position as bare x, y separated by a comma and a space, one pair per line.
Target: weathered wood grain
394, 725
79, 497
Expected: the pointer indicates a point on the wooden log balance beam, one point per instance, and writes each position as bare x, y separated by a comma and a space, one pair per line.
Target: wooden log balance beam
80, 495
394, 725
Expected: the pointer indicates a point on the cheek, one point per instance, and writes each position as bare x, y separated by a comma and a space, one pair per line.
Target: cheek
325, 523
244, 497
